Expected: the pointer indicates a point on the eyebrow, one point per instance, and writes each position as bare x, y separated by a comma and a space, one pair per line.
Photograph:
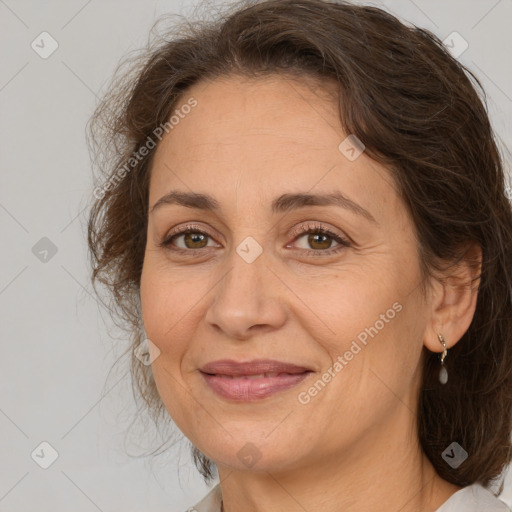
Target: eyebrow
282, 204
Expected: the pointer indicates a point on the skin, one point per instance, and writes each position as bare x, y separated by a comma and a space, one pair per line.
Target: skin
246, 142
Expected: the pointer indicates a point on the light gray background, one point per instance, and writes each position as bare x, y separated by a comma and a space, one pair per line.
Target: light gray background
56, 350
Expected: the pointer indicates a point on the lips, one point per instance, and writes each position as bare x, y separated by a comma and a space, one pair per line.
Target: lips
251, 380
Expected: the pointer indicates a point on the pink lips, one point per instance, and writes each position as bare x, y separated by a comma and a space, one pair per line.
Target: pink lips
253, 380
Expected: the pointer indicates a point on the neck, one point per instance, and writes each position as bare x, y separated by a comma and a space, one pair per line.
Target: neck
378, 473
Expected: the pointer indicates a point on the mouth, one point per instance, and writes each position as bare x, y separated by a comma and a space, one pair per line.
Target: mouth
253, 380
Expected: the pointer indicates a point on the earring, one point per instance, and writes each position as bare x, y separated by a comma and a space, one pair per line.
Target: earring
443, 372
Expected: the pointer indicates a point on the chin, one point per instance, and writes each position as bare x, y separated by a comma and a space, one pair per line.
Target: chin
248, 453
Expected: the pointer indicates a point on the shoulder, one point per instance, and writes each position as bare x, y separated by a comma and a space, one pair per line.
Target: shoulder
210, 503
474, 498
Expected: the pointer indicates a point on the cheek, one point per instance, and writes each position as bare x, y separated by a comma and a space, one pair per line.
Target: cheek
172, 308
372, 317
166, 299
343, 303
164, 312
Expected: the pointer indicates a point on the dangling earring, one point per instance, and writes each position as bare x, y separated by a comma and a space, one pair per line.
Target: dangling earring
443, 372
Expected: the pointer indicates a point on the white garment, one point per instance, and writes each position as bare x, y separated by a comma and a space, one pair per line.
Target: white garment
473, 498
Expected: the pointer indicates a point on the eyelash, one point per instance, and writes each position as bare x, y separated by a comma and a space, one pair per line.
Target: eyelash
303, 230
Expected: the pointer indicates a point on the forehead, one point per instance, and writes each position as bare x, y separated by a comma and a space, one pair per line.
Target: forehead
239, 109
261, 136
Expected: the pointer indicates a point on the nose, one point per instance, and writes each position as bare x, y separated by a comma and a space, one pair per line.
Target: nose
248, 299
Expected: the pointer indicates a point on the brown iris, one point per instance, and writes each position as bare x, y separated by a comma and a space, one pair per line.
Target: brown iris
313, 238
195, 238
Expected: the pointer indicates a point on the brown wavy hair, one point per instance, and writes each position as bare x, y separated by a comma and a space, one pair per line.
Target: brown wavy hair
416, 109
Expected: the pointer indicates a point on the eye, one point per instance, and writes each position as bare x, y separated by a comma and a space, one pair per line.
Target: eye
192, 237
320, 238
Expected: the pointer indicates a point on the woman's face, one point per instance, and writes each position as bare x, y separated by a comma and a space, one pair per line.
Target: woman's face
337, 319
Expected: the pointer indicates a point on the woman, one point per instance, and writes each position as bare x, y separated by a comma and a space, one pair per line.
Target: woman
303, 215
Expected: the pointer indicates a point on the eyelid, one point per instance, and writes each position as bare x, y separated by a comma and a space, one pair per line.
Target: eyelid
343, 241
188, 227
183, 230
304, 228
307, 226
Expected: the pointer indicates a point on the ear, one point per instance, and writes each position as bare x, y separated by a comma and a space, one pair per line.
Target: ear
453, 300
